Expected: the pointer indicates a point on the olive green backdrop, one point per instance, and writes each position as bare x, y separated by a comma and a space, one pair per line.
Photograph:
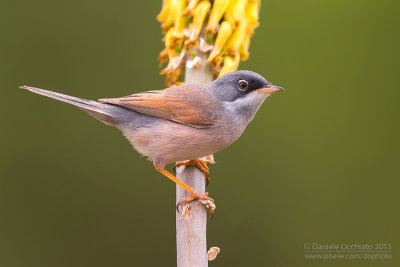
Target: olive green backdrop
319, 163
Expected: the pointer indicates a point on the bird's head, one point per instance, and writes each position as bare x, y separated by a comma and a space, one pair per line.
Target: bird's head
243, 91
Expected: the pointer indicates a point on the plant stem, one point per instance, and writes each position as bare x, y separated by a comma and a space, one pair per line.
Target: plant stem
191, 229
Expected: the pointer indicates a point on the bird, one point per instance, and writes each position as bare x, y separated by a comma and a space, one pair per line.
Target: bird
181, 123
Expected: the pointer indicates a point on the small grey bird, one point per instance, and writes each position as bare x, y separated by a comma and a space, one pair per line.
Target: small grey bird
183, 122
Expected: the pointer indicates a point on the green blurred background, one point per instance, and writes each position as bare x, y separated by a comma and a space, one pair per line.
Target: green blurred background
319, 163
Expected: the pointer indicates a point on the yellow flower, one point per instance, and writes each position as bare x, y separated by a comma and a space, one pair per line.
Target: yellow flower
244, 47
199, 15
223, 34
190, 7
168, 40
173, 77
175, 55
168, 14
230, 64
217, 12
252, 10
236, 39
235, 12
162, 16
179, 23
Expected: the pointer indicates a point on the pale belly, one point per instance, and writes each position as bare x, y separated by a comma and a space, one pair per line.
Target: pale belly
169, 142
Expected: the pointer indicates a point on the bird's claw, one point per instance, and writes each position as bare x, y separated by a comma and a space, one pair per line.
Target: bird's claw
203, 199
199, 163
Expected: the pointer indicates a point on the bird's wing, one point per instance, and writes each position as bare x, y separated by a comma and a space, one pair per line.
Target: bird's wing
188, 104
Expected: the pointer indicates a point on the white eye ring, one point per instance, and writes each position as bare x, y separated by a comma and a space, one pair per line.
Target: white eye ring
243, 85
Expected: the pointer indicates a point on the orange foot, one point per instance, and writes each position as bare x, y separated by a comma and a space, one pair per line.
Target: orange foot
199, 163
204, 199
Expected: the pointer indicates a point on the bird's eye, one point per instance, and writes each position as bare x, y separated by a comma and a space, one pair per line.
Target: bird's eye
243, 85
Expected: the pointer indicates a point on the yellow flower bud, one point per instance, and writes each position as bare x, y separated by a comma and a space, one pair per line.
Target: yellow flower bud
179, 23
223, 34
173, 77
199, 15
168, 14
217, 12
230, 64
235, 12
167, 24
190, 7
252, 10
164, 11
236, 39
244, 47
174, 57
168, 40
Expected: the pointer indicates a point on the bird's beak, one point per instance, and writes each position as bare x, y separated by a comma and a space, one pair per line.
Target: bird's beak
270, 89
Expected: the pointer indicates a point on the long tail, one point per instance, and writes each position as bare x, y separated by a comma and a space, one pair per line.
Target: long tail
100, 111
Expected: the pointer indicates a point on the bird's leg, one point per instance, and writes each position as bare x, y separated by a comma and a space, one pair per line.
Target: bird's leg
199, 163
203, 198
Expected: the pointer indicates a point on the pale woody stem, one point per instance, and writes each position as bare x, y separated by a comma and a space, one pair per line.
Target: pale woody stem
191, 239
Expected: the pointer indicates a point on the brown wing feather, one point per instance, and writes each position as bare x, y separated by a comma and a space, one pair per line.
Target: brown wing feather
187, 104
